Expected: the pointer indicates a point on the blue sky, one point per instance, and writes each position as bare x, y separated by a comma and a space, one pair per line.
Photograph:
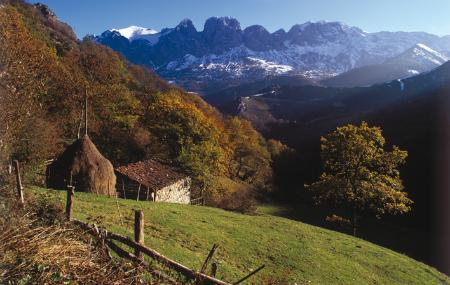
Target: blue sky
96, 16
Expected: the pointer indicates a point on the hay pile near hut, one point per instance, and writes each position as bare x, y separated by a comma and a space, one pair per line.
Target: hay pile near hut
89, 170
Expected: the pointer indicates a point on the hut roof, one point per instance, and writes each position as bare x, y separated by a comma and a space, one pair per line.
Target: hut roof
151, 173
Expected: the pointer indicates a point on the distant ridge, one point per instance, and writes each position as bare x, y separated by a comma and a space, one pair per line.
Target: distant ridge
418, 59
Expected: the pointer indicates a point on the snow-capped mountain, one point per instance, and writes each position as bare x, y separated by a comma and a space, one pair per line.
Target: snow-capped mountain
224, 54
424, 56
418, 59
134, 32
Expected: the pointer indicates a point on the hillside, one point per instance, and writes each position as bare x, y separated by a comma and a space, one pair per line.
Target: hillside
292, 251
219, 98
133, 113
411, 113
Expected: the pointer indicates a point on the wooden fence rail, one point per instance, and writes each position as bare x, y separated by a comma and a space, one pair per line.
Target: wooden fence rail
197, 201
184, 270
125, 254
178, 267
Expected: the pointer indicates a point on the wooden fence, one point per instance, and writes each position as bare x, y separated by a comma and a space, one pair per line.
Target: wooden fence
198, 201
109, 240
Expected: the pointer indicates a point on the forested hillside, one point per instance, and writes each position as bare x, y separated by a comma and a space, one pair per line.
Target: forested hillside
45, 74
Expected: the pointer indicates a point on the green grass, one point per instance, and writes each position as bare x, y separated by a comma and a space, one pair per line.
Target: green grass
295, 251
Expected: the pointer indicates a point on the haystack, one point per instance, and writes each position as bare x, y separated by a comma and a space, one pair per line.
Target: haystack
82, 163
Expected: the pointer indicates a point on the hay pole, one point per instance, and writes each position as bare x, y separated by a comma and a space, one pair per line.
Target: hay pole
139, 232
81, 121
19, 181
249, 275
85, 111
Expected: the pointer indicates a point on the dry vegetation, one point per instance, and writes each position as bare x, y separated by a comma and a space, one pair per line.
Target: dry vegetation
36, 247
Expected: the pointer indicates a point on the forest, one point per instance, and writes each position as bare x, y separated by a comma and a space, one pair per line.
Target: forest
133, 114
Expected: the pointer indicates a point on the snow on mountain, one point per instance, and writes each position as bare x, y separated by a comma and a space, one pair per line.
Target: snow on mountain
413, 72
427, 53
415, 60
239, 62
135, 32
223, 50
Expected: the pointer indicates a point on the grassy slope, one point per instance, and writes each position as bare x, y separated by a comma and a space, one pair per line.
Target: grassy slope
303, 253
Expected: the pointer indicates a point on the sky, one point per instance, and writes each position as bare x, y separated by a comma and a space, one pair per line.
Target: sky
96, 16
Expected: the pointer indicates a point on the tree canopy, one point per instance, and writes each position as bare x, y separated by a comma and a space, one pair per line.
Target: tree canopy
358, 173
133, 114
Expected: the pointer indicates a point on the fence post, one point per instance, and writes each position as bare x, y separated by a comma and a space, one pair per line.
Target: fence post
139, 231
69, 202
208, 258
18, 181
214, 269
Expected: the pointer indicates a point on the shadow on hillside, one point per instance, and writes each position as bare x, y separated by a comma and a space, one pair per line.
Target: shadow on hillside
382, 232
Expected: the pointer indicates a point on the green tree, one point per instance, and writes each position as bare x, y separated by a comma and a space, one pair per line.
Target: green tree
359, 174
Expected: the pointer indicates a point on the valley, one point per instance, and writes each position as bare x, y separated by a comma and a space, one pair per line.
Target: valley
232, 125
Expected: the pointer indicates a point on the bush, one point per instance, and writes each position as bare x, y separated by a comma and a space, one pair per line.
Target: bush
230, 195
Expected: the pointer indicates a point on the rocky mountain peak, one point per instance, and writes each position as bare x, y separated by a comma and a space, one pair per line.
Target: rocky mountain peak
222, 34
221, 23
314, 33
257, 38
45, 10
317, 50
186, 25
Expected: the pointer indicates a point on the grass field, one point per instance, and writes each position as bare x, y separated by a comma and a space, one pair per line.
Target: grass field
293, 252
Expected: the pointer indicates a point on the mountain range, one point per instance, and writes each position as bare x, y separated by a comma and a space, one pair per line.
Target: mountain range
323, 108
223, 54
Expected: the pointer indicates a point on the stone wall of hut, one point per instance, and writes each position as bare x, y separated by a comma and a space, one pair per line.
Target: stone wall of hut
178, 192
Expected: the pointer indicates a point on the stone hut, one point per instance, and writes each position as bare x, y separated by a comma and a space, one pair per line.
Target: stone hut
83, 166
152, 180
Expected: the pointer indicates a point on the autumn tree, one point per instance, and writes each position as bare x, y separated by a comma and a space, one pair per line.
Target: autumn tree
26, 66
133, 114
359, 174
251, 160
